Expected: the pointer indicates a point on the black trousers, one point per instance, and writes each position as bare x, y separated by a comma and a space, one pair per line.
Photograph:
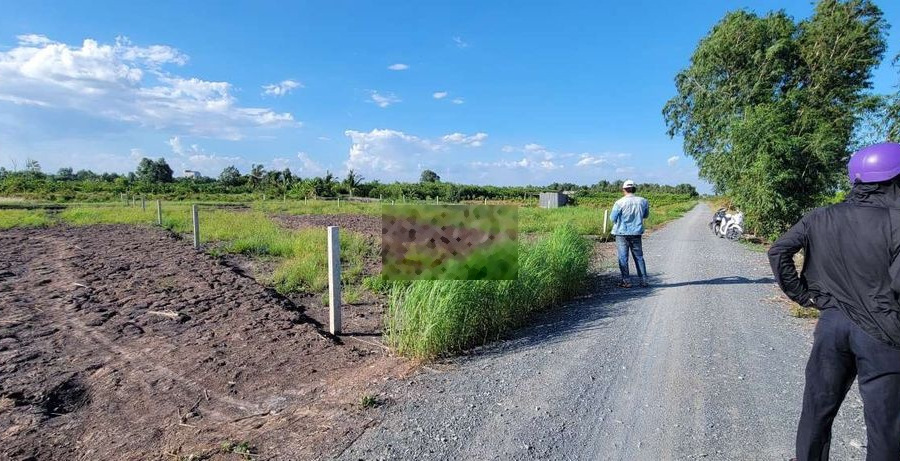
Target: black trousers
841, 352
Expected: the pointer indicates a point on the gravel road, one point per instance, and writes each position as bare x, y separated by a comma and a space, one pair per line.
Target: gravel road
706, 363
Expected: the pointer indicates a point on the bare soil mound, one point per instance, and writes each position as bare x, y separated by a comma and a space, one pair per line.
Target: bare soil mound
119, 342
364, 224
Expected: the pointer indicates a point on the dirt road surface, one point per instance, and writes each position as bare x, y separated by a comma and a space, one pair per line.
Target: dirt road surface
705, 364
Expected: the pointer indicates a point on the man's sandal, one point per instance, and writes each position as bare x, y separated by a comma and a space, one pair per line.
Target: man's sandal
624, 284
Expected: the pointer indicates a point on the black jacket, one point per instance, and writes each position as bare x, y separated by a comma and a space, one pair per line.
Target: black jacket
850, 259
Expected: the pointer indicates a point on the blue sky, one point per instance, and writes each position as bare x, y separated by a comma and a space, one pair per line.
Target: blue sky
481, 92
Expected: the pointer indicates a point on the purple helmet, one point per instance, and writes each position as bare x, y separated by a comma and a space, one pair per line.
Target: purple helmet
876, 163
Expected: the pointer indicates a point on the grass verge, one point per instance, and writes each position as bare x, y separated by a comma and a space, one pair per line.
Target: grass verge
428, 318
24, 218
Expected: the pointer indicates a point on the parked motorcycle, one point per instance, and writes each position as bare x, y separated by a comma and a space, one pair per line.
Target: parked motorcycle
727, 225
716, 223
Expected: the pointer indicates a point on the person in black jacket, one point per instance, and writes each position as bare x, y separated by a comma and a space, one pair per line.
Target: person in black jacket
851, 272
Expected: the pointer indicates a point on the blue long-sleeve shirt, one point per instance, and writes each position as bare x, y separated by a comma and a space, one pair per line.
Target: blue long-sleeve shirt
628, 215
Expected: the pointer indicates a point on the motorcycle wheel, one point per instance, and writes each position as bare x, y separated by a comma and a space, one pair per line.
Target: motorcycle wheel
734, 234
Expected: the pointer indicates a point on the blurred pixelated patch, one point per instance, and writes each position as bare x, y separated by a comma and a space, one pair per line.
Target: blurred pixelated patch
449, 242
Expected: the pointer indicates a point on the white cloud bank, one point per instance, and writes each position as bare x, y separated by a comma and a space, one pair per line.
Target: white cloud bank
398, 66
439, 94
125, 83
474, 140
673, 160
394, 155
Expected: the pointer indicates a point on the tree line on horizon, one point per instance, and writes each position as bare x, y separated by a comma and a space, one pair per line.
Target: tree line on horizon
156, 177
771, 108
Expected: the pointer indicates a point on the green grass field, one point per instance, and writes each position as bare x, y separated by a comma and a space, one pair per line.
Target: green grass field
24, 218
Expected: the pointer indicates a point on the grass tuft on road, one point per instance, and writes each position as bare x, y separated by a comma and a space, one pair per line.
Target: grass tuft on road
804, 312
429, 318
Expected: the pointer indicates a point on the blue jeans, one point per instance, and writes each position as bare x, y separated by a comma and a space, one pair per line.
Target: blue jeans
632, 243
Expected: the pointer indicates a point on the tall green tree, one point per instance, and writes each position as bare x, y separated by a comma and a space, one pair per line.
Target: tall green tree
429, 176
154, 171
65, 174
768, 106
892, 115
230, 176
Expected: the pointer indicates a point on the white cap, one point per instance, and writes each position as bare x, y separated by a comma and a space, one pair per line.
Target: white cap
628, 183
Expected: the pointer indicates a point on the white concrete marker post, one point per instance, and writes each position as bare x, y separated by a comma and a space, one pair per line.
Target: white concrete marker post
334, 279
143, 204
605, 220
159, 212
196, 227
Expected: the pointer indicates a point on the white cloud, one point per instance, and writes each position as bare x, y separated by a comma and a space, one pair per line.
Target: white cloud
125, 83
458, 100
524, 163
508, 149
22, 101
281, 89
211, 164
389, 154
308, 166
590, 160
474, 140
175, 144
33, 40
439, 94
194, 158
398, 66
383, 100
460, 43
673, 160
324, 138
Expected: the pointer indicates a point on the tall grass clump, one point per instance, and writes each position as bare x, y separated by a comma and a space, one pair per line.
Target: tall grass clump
24, 218
428, 318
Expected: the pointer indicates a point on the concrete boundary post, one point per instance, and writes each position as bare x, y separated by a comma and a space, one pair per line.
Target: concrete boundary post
334, 279
605, 221
159, 212
196, 220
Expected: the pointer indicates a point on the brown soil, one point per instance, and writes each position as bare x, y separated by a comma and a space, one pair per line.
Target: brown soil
119, 342
363, 224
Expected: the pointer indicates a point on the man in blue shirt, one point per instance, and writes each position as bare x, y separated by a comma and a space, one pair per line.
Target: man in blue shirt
628, 215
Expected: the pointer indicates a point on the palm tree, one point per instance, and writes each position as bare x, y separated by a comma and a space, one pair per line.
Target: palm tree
352, 181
